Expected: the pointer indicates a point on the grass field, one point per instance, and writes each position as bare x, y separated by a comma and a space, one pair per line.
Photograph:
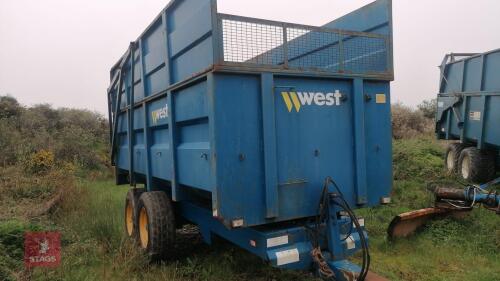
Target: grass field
95, 248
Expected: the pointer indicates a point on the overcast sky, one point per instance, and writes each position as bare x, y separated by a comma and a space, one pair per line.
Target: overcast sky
60, 51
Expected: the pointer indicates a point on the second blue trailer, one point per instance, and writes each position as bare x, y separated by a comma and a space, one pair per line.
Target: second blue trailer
265, 133
468, 111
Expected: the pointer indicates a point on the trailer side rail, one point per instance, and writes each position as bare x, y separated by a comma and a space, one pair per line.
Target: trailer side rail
253, 43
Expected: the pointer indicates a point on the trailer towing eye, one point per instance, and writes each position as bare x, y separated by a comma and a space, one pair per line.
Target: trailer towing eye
341, 245
344, 235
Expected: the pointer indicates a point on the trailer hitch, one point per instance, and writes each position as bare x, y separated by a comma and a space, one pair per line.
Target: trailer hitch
449, 201
344, 234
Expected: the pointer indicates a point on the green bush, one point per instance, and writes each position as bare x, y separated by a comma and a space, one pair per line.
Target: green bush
39, 162
428, 108
9, 142
9, 107
408, 123
72, 136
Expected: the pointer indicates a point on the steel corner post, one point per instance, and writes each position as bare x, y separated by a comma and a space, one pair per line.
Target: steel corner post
130, 110
269, 140
359, 140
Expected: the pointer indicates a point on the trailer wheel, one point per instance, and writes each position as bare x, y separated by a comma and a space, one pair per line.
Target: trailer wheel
131, 202
452, 157
156, 224
477, 165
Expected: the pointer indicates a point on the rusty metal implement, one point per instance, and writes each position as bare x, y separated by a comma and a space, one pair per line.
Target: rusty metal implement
449, 201
407, 223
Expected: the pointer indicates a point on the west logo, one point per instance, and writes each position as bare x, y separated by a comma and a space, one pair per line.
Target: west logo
158, 114
298, 99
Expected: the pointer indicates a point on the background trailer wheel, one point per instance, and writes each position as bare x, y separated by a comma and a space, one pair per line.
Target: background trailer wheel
156, 225
452, 156
131, 202
477, 165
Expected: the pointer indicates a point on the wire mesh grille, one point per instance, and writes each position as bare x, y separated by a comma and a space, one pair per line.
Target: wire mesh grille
364, 54
251, 42
313, 49
293, 46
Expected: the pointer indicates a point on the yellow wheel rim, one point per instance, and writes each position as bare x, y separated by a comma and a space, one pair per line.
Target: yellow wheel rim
129, 218
143, 228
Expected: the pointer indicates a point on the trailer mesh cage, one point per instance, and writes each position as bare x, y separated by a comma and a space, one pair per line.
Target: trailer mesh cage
255, 42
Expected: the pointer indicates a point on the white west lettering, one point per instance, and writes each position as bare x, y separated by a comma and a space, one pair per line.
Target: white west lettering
159, 114
337, 95
306, 98
330, 99
319, 99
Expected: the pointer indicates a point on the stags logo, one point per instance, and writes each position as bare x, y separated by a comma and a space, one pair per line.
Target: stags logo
296, 100
42, 249
159, 114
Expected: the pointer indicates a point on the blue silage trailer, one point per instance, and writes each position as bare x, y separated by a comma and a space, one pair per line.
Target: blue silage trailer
267, 134
468, 115
468, 111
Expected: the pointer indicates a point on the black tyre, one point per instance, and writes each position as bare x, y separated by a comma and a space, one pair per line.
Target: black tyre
452, 157
477, 165
156, 224
131, 202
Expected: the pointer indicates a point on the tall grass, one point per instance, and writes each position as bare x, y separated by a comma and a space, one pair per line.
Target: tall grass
11, 247
92, 226
95, 247
448, 249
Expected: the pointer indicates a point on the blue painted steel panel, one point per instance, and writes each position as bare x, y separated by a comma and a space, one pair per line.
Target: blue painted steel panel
161, 165
469, 99
153, 48
195, 27
240, 172
455, 76
193, 61
472, 80
491, 131
491, 69
139, 118
378, 144
160, 149
192, 103
193, 155
375, 17
308, 144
